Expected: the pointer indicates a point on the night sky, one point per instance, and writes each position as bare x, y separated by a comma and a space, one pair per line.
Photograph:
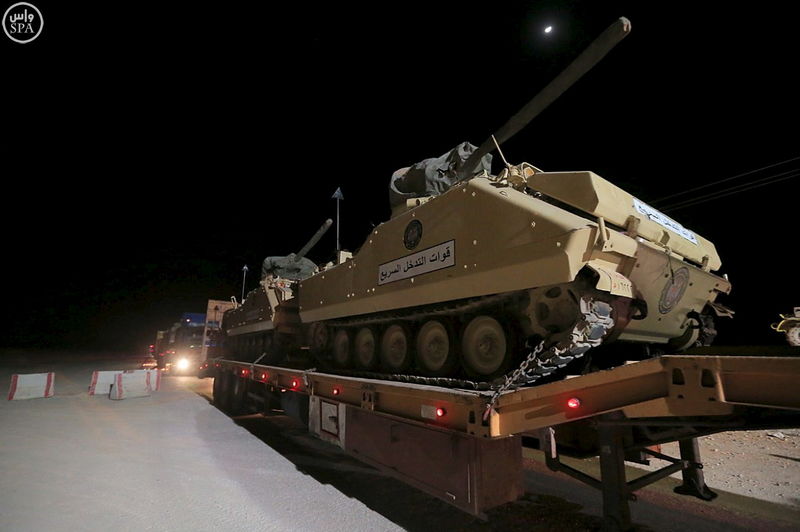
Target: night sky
149, 152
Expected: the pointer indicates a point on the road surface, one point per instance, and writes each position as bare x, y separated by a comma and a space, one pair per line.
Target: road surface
174, 462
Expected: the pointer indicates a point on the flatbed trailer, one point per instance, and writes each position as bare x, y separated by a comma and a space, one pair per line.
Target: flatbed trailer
447, 443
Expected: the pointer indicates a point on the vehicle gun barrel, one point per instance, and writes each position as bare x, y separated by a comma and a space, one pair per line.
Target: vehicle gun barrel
574, 71
314, 239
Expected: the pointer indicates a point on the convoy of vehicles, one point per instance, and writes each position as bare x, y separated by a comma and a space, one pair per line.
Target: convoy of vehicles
523, 274
417, 353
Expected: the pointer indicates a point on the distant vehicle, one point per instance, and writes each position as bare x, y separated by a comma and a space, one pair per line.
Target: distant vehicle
161, 347
149, 363
208, 368
212, 335
178, 350
790, 325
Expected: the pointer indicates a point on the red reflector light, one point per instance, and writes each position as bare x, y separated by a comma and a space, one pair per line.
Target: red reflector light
336, 391
440, 412
295, 383
574, 402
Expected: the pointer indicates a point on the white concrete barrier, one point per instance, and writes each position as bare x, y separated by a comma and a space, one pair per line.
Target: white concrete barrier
155, 379
130, 385
102, 380
31, 386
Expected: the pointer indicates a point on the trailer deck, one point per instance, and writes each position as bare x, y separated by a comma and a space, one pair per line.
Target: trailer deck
445, 441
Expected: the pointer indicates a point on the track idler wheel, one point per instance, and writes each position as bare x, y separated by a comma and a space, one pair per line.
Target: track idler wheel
396, 349
342, 354
365, 350
435, 349
485, 348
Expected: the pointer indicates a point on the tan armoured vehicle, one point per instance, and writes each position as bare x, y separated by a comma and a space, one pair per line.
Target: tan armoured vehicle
266, 325
477, 272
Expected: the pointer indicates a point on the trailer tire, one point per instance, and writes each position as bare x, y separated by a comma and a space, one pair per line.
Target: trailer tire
237, 390
221, 395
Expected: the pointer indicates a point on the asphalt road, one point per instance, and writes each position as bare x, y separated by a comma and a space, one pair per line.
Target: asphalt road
552, 502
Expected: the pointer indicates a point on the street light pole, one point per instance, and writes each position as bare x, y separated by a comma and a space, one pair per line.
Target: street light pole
338, 197
244, 278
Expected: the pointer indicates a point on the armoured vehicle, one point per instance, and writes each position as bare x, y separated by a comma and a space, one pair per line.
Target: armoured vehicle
476, 273
790, 325
266, 326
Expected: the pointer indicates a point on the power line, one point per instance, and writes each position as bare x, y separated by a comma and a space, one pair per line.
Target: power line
699, 201
723, 180
729, 189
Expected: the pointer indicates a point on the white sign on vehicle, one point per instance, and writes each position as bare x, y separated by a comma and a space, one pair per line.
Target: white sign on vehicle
425, 261
663, 220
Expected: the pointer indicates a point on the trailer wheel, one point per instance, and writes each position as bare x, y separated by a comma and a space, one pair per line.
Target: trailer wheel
221, 390
237, 392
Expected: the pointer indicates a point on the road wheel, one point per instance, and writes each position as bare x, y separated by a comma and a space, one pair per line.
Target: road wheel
435, 350
793, 336
268, 349
485, 350
319, 337
366, 354
396, 349
341, 348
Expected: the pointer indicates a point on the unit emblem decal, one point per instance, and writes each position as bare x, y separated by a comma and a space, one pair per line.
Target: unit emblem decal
673, 290
413, 234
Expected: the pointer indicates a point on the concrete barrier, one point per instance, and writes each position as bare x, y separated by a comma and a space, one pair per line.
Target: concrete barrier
31, 386
155, 379
103, 380
130, 385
